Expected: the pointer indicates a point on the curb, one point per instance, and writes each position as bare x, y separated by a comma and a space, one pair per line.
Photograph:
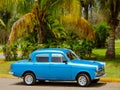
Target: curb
110, 80
6, 76
101, 79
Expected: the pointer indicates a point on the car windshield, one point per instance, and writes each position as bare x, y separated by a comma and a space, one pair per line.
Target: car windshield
72, 55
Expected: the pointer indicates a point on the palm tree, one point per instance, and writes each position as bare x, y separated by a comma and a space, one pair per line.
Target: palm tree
111, 10
6, 13
12, 9
9, 13
65, 10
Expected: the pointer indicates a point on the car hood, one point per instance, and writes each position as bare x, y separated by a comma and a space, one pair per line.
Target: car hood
100, 65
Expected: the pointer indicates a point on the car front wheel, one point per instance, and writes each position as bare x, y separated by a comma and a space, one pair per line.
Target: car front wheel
29, 79
83, 80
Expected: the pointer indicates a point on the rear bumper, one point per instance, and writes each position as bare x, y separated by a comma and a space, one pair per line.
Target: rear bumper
11, 73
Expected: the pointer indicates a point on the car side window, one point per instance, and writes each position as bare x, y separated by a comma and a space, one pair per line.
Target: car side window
58, 58
42, 57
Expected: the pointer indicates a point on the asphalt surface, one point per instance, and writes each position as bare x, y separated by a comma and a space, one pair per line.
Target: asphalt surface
17, 84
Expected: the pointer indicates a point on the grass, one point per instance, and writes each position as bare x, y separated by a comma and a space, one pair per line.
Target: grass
100, 53
5, 66
112, 69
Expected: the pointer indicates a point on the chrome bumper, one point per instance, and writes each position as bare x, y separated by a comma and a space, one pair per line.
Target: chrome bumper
100, 73
100, 76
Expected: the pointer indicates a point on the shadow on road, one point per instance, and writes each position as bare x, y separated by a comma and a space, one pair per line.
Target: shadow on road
62, 84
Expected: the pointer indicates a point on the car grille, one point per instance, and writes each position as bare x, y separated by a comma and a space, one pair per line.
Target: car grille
100, 72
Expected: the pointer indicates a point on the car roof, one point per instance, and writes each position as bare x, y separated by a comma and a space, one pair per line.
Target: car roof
63, 50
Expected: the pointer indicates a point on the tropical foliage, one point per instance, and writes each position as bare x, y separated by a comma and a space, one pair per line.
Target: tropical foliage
101, 35
32, 24
37, 19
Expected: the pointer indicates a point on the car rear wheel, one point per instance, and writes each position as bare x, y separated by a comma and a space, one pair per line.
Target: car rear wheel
29, 79
83, 80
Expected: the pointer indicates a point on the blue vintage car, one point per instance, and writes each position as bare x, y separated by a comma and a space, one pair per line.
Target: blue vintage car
57, 64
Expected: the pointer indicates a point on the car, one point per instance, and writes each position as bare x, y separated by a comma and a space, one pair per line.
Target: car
59, 64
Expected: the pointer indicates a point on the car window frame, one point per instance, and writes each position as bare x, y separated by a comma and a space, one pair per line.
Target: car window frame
43, 54
61, 54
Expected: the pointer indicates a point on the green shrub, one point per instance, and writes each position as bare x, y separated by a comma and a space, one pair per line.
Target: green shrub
7, 53
10, 52
83, 48
101, 34
13, 49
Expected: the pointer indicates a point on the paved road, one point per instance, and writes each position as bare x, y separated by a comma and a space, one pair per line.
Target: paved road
16, 84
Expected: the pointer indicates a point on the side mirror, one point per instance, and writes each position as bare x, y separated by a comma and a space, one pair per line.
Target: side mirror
65, 62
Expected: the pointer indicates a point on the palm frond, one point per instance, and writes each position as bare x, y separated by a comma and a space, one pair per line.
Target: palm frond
107, 6
20, 26
85, 30
65, 9
7, 4
82, 26
2, 23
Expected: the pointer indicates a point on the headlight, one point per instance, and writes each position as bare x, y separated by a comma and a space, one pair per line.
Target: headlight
104, 64
97, 68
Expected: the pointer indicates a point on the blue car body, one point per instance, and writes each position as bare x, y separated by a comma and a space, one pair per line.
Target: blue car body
57, 64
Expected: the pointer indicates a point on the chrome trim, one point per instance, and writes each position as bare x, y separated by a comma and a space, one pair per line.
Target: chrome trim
100, 76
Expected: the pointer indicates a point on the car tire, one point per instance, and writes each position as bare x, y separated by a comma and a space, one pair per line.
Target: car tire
83, 80
29, 79
95, 81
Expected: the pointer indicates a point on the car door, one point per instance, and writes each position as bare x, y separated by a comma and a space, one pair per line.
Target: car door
59, 70
42, 66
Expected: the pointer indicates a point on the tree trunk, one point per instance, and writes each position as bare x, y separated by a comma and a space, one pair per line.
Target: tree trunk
110, 53
39, 35
113, 22
91, 15
86, 12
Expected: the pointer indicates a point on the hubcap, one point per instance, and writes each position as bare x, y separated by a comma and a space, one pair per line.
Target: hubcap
28, 79
82, 80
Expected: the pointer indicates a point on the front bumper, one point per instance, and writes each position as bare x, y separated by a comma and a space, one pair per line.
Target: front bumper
100, 73
100, 76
